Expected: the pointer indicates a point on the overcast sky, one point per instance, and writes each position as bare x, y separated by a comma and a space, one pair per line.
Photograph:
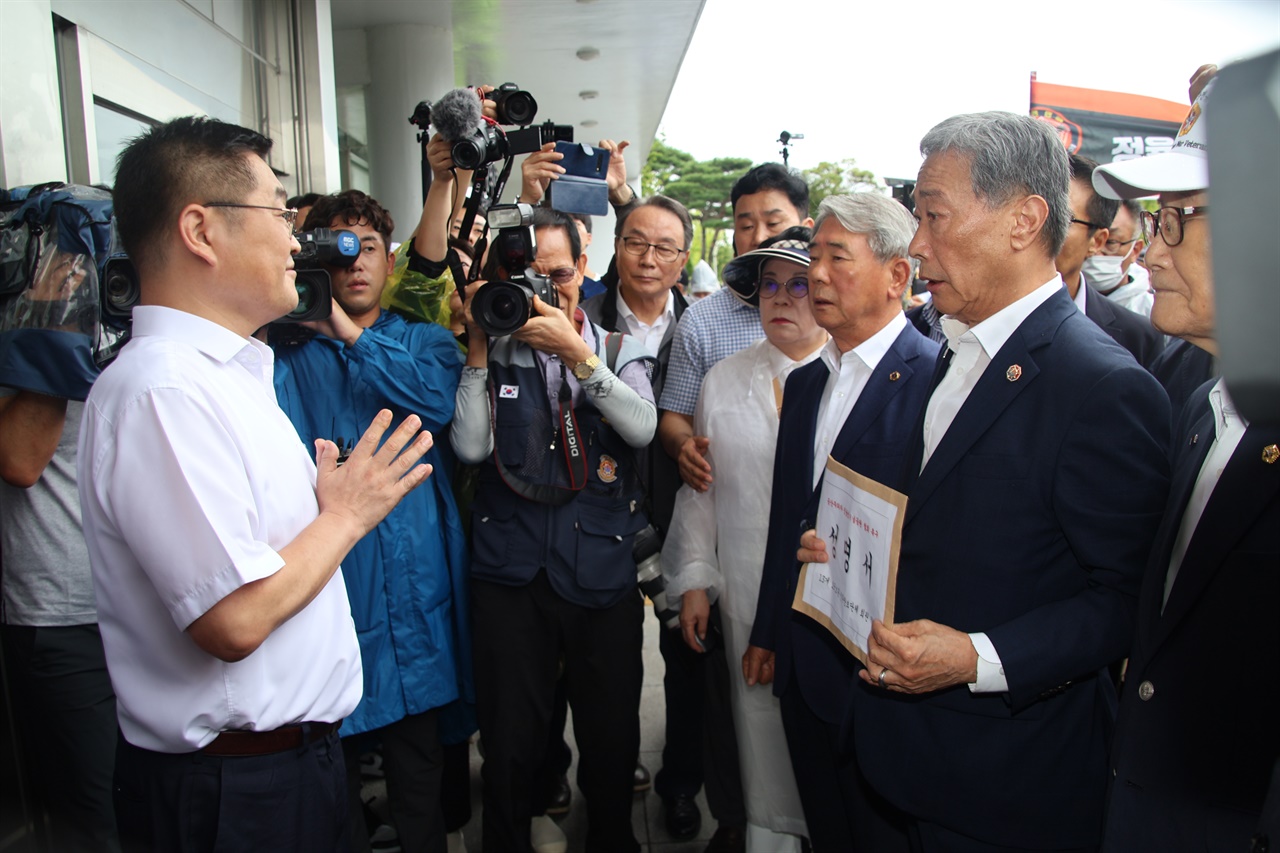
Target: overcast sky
866, 80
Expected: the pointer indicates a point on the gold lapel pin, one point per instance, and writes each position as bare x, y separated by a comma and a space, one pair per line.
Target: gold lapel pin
1014, 373
1270, 454
895, 376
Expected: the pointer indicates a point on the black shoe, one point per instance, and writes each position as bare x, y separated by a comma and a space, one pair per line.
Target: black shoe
683, 817
728, 839
641, 781
562, 798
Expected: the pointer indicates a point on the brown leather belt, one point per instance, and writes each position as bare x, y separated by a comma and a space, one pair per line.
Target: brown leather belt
283, 739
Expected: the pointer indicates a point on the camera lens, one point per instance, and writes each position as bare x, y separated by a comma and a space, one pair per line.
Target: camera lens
470, 153
502, 307
517, 108
120, 288
306, 297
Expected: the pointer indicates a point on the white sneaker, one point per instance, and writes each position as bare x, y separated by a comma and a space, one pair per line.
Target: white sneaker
384, 840
546, 836
456, 842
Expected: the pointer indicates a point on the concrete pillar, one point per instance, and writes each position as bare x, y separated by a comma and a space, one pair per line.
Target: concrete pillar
31, 141
407, 64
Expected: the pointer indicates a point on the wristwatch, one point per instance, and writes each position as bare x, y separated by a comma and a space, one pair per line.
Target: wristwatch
583, 369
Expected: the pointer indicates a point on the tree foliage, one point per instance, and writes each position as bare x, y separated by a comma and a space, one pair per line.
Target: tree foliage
838, 178
703, 187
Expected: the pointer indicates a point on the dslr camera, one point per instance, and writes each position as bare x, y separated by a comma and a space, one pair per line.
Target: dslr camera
503, 306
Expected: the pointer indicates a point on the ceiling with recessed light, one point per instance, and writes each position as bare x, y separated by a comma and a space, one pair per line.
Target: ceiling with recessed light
627, 52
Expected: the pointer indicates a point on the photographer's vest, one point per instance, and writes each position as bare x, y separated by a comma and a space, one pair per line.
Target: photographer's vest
531, 511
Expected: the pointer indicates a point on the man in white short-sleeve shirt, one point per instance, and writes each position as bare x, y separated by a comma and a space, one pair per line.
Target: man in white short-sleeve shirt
213, 540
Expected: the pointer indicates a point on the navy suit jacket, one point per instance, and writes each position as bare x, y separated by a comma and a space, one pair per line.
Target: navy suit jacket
1128, 328
873, 441
1192, 761
1031, 522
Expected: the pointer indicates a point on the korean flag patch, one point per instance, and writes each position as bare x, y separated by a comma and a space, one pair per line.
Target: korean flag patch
509, 392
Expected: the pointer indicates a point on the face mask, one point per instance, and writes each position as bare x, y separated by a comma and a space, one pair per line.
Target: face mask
1103, 271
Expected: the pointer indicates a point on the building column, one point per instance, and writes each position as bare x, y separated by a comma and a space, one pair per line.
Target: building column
408, 63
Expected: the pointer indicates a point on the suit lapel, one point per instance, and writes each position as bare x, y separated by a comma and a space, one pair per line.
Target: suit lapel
879, 390
1099, 310
1243, 491
1189, 458
991, 396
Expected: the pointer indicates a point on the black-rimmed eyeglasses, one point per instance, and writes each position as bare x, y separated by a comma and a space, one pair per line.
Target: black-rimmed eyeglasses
1168, 221
288, 214
662, 251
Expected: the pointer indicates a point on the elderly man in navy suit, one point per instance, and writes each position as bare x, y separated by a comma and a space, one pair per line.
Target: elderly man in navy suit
1197, 736
856, 402
989, 708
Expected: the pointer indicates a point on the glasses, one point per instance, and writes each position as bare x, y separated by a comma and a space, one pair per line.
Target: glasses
1167, 222
797, 288
1114, 247
1092, 226
663, 252
288, 214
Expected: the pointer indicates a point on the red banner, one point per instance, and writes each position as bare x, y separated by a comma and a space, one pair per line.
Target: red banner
1106, 126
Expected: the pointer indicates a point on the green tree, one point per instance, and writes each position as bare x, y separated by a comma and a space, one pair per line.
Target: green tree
837, 179
703, 187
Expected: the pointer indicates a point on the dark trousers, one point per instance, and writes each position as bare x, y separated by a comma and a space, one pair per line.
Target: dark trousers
197, 803
65, 712
701, 746
843, 812
455, 786
558, 756
519, 636
413, 762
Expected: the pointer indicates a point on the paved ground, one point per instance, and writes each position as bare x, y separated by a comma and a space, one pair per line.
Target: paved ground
646, 814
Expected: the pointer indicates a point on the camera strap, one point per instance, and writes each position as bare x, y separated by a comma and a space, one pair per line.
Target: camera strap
574, 458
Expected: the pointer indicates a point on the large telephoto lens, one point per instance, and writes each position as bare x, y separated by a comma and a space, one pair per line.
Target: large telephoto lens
502, 307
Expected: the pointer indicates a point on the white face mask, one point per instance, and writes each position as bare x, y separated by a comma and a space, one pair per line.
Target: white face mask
1103, 271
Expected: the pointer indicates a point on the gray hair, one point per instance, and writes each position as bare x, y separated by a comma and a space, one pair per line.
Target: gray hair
886, 224
670, 205
1010, 155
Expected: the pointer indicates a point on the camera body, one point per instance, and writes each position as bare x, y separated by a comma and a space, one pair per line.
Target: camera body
321, 247
489, 143
503, 306
514, 106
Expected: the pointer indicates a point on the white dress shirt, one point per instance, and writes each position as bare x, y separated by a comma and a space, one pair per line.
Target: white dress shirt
191, 481
973, 348
849, 374
650, 335
1228, 426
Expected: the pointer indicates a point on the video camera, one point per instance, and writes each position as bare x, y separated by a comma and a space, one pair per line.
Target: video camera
321, 247
504, 306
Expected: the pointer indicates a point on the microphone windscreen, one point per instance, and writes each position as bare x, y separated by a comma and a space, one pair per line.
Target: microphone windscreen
457, 114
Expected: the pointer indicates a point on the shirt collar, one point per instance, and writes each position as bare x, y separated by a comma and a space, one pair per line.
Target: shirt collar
217, 342
992, 333
624, 311
1224, 410
1082, 293
870, 351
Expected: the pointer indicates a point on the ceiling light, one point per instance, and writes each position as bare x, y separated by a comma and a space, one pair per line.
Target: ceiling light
586, 54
